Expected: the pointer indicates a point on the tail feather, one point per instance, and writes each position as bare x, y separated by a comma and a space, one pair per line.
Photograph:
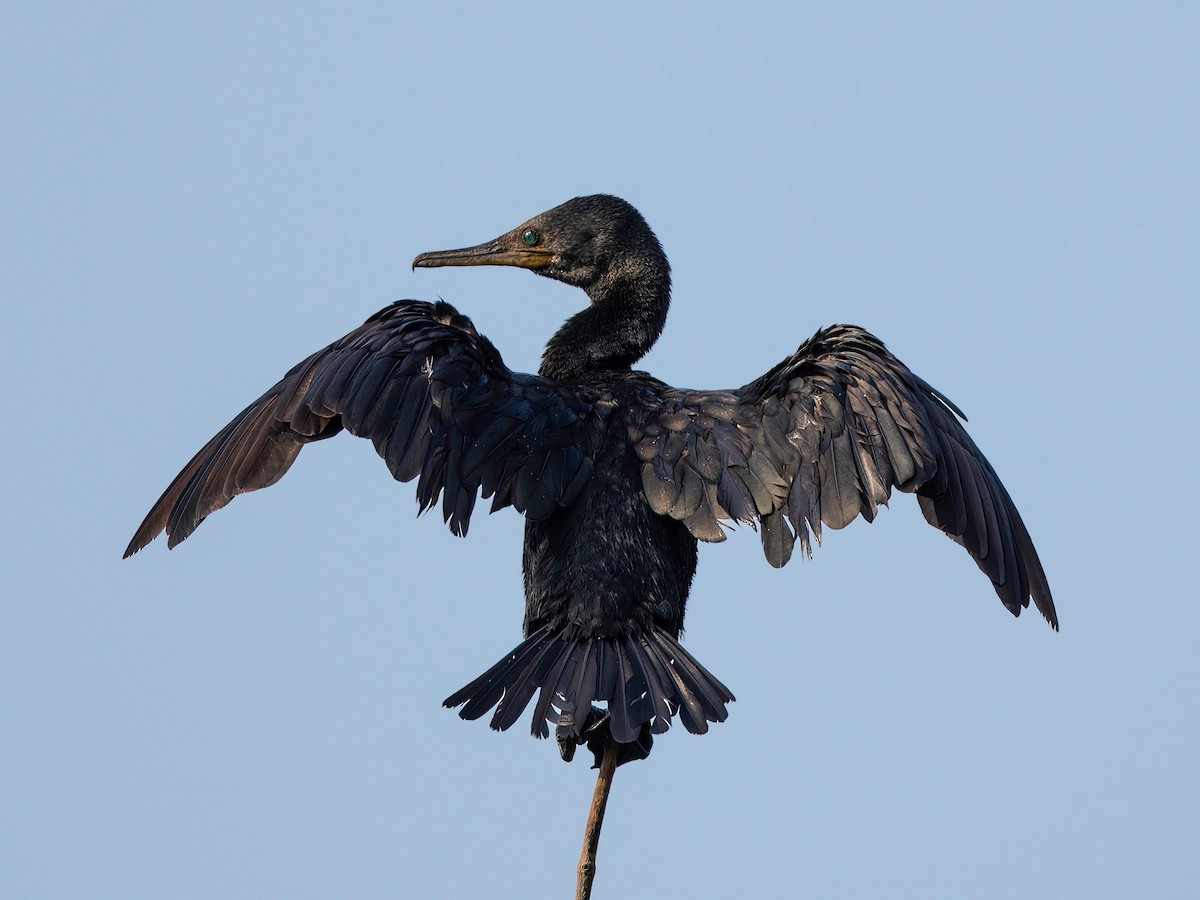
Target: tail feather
525, 684
691, 712
582, 688
486, 691
712, 694
543, 711
513, 702
663, 708
622, 728
646, 680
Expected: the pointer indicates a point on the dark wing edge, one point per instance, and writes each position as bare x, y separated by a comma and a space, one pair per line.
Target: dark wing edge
823, 438
435, 399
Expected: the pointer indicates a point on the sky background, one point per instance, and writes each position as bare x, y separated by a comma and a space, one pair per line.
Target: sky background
196, 198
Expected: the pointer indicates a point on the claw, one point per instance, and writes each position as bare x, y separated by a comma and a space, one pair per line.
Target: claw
597, 734
566, 745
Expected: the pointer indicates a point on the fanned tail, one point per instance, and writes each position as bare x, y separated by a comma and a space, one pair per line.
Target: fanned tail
645, 680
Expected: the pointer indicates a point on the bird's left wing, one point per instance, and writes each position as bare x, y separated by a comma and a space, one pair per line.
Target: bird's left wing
439, 405
822, 439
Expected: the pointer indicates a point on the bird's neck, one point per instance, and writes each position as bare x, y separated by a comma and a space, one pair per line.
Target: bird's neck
626, 317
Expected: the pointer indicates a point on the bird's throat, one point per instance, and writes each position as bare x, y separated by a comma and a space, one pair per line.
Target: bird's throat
618, 329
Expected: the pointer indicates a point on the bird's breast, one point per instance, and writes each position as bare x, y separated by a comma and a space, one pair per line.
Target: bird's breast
608, 564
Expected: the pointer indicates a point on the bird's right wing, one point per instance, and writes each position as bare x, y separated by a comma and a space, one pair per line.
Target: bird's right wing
823, 438
436, 400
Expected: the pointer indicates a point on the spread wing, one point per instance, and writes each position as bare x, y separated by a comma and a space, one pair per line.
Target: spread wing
433, 396
822, 439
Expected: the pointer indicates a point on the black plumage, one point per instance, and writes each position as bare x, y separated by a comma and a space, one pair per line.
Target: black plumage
617, 474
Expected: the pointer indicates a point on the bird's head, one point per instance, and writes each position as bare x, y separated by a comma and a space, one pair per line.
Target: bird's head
589, 242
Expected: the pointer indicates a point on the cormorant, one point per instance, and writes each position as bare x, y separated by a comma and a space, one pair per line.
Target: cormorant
618, 474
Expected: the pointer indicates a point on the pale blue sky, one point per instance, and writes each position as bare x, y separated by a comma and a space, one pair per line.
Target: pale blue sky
193, 200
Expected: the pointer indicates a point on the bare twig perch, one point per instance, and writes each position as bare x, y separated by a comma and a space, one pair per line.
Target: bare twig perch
591, 837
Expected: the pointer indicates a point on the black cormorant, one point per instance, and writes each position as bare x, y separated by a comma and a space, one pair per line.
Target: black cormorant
618, 474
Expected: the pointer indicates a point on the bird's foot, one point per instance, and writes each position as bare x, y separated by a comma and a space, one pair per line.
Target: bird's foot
597, 734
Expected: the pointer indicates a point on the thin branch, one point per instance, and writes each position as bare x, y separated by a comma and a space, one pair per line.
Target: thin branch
591, 837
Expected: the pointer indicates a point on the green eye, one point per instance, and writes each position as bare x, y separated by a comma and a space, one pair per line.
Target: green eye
530, 237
